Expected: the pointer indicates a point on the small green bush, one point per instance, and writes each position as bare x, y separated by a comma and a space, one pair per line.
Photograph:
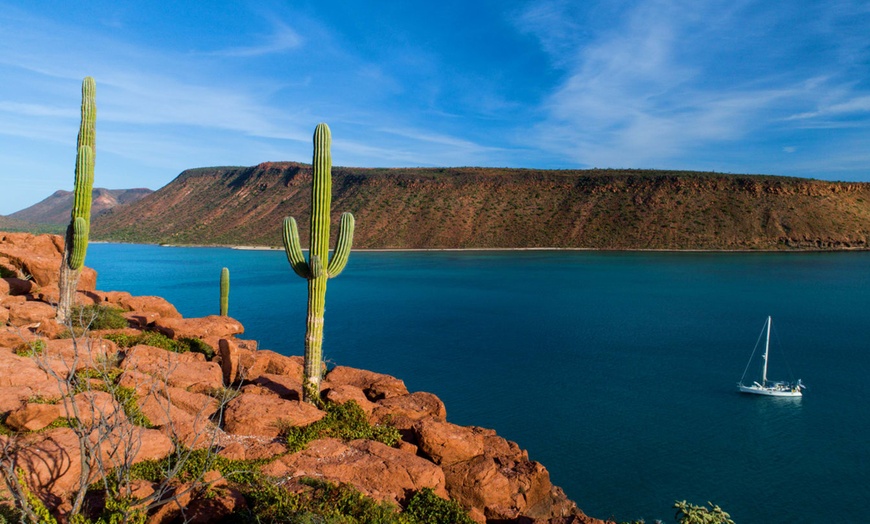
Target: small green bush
98, 316
34, 348
692, 514
342, 421
425, 507
6, 272
159, 340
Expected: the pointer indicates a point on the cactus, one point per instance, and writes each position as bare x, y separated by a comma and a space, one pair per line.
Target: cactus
319, 267
225, 291
80, 217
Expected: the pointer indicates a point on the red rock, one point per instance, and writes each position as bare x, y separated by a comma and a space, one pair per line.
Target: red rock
376, 386
13, 397
213, 325
447, 443
21, 371
32, 417
252, 364
149, 304
342, 393
94, 407
40, 257
11, 336
4, 315
414, 406
30, 312
193, 430
185, 370
266, 415
377, 470
79, 353
141, 319
228, 353
16, 286
285, 387
253, 450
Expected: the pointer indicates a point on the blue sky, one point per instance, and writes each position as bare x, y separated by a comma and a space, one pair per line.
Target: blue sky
738, 86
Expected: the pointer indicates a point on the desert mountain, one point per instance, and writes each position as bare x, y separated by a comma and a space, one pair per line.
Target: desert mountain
503, 208
56, 208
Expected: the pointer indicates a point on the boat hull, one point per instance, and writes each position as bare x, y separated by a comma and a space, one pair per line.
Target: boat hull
773, 391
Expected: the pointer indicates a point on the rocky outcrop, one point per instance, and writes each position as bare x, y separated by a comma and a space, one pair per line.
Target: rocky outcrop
36, 258
237, 404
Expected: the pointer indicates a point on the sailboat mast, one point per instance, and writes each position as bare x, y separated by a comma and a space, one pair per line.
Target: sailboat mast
766, 349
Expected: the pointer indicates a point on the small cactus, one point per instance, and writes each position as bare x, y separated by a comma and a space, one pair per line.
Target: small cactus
80, 217
225, 292
319, 267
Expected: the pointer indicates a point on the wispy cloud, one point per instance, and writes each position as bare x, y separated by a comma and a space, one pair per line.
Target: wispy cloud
283, 38
649, 90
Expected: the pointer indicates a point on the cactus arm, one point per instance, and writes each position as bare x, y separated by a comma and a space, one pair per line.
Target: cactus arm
225, 292
342, 247
293, 248
80, 243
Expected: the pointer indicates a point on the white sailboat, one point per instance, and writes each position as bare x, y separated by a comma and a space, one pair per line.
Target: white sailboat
768, 387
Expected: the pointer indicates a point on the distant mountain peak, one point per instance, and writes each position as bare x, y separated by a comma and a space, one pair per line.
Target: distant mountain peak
56, 208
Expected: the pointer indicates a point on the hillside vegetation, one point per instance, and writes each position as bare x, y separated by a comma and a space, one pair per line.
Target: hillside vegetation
503, 208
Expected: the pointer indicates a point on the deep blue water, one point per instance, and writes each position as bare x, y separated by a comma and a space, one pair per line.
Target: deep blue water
617, 371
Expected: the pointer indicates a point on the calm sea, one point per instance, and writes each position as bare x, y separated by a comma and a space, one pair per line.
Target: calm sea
615, 370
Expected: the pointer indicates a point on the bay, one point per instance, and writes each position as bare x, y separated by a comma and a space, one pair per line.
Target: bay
617, 371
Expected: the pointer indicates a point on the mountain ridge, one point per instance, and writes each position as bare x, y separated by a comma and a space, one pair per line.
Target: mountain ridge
473, 207
56, 208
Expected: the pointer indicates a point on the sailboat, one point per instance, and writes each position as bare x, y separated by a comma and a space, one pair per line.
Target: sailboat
768, 387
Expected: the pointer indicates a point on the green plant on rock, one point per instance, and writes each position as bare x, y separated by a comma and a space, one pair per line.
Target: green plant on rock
346, 422
692, 514
225, 292
80, 218
319, 267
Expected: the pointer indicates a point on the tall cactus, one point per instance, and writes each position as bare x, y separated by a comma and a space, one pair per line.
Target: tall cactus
225, 292
80, 218
319, 267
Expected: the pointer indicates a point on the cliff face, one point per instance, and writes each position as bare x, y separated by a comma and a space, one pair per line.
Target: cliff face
56, 208
504, 208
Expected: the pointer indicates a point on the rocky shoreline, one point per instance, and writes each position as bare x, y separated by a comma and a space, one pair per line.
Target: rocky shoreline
490, 477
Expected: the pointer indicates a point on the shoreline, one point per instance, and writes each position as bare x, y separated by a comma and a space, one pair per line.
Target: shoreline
508, 249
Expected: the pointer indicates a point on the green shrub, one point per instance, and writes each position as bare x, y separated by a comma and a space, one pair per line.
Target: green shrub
196, 345
98, 316
33, 348
6, 272
159, 340
425, 507
342, 421
692, 514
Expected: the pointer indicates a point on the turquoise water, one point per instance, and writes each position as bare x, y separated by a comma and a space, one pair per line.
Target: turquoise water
615, 370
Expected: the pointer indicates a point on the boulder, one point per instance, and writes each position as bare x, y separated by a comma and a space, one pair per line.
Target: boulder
16, 286
253, 450
13, 397
32, 417
4, 315
376, 386
285, 387
184, 370
228, 355
375, 469
404, 410
94, 407
252, 364
210, 326
267, 415
342, 393
40, 257
158, 306
446, 443
24, 371
30, 312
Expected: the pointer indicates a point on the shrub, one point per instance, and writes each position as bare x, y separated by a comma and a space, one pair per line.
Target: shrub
425, 507
342, 421
159, 340
98, 316
692, 514
6, 272
33, 348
